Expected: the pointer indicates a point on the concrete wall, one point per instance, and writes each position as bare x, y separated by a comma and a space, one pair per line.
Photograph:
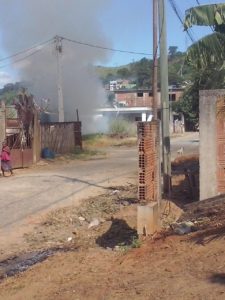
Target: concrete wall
208, 146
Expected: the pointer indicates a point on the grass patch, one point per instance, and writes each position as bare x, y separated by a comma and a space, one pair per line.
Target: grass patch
95, 141
122, 128
84, 154
136, 243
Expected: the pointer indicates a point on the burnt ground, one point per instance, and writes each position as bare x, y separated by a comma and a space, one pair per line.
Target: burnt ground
108, 261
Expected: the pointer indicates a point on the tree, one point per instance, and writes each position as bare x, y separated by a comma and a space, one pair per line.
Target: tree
142, 71
209, 51
9, 92
124, 73
206, 58
172, 51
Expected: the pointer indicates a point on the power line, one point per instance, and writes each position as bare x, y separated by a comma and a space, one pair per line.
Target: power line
20, 59
26, 50
178, 14
62, 38
105, 48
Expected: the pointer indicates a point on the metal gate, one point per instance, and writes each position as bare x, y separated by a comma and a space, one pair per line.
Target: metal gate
20, 123
20, 144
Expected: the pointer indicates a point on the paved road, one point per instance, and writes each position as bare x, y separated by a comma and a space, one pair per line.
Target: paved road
189, 142
39, 189
35, 190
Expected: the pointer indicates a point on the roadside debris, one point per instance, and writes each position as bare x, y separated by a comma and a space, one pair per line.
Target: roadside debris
81, 219
183, 227
95, 222
115, 192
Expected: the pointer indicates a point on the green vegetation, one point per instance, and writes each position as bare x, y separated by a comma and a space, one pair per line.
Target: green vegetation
208, 52
9, 92
122, 128
135, 243
140, 72
205, 59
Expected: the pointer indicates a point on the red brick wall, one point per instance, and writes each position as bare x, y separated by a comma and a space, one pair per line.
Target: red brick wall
132, 99
148, 143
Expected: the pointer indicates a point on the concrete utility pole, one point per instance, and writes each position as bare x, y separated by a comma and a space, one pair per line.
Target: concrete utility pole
58, 47
164, 98
155, 60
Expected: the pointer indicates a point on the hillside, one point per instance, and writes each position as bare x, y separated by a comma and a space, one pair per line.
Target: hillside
140, 72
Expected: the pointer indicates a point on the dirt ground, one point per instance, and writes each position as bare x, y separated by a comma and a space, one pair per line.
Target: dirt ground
109, 261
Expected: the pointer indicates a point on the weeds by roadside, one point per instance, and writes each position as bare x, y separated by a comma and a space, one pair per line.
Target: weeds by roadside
136, 243
95, 141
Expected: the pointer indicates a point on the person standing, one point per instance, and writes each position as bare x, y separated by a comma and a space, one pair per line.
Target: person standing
6, 165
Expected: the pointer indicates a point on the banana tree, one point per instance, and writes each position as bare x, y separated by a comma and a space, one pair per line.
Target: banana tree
209, 52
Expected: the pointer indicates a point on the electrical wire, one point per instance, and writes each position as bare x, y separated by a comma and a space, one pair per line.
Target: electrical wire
26, 50
105, 48
178, 14
21, 59
62, 38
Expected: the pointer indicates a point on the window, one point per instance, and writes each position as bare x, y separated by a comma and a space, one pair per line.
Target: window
140, 94
172, 97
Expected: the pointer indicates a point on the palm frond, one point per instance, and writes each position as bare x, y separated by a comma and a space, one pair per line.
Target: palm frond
207, 52
206, 15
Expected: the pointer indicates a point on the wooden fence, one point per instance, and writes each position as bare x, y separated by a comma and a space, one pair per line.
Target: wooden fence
61, 137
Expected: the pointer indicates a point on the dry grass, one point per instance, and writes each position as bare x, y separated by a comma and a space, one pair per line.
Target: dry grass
96, 141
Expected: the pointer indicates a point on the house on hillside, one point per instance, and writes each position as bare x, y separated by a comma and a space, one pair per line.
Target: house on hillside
144, 97
119, 84
137, 105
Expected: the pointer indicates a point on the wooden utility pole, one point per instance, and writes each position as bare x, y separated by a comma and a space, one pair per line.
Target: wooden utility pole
58, 47
164, 98
155, 60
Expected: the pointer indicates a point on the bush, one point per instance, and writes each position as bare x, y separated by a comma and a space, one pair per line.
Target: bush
122, 128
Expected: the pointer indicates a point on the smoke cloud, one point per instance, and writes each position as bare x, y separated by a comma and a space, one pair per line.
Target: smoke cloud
27, 22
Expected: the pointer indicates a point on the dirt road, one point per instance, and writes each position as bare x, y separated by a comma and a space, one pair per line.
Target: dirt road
108, 261
37, 190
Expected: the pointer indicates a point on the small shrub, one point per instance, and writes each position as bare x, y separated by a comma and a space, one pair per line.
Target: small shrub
136, 243
122, 128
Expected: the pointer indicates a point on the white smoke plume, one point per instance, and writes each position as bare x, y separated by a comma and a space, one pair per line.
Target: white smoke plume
24, 23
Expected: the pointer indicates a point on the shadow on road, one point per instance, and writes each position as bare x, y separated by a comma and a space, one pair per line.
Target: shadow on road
71, 179
185, 180
218, 278
120, 233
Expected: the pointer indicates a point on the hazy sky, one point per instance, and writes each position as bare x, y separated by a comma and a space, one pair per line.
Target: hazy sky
123, 24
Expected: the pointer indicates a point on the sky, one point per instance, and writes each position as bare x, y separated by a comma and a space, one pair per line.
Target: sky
128, 23
125, 25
